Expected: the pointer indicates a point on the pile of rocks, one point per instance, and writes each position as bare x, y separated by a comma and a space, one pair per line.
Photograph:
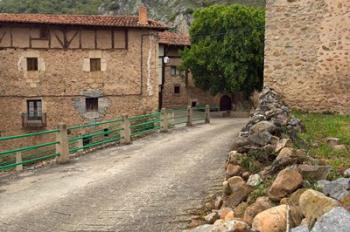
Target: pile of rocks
270, 185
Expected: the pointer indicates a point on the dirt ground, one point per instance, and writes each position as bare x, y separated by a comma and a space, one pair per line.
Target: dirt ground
151, 185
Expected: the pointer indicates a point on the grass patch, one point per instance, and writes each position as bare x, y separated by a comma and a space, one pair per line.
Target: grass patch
318, 128
250, 164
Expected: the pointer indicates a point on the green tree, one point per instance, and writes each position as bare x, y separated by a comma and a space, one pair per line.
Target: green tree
227, 51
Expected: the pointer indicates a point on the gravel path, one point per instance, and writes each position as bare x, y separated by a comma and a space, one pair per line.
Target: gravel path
150, 185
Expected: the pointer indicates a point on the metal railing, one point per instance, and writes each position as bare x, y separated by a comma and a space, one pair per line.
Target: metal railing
19, 150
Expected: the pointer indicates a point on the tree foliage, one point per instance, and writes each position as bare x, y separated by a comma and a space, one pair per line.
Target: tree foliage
227, 50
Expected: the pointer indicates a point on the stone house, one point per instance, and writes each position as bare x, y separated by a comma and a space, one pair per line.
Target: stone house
177, 88
74, 69
307, 56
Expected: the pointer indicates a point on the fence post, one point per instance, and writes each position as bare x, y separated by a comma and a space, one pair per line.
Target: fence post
63, 147
126, 132
207, 114
189, 116
164, 121
19, 160
80, 143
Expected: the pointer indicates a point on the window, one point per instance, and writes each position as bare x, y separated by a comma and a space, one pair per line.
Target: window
177, 89
44, 33
91, 104
95, 64
173, 70
34, 109
32, 64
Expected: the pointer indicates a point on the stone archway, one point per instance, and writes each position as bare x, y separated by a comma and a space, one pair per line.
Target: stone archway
225, 103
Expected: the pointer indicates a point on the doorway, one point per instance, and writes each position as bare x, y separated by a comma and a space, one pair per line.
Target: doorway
225, 103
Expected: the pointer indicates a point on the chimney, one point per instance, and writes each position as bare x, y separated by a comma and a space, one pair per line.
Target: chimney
143, 17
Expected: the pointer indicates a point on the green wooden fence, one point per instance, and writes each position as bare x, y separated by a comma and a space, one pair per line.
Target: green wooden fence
93, 135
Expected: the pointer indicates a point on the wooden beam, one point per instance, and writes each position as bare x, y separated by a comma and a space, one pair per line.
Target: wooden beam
80, 38
95, 38
11, 37
112, 36
126, 38
49, 38
2, 36
30, 36
73, 37
59, 40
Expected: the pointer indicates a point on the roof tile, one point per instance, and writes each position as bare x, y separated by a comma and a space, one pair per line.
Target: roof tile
172, 38
80, 20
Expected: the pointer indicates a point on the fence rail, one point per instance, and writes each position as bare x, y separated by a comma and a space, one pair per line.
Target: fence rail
65, 141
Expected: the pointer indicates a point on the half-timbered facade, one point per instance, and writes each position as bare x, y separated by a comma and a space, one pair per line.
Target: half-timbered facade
74, 69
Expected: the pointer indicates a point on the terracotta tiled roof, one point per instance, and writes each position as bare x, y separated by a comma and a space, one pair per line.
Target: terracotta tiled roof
80, 20
172, 38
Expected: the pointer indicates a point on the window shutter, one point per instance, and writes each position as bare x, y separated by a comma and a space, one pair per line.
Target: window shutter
41, 64
86, 65
103, 65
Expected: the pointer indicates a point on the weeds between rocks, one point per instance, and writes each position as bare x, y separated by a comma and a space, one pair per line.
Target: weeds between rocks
318, 128
276, 173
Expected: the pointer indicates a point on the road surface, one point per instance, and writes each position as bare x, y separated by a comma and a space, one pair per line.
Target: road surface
151, 185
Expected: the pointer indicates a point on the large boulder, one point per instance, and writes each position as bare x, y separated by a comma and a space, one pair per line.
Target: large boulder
224, 226
233, 170
239, 192
262, 127
271, 220
301, 228
337, 220
332, 141
314, 172
337, 189
261, 204
282, 143
235, 225
286, 182
261, 138
240, 209
314, 204
240, 143
286, 157
223, 212
254, 180
293, 200
234, 158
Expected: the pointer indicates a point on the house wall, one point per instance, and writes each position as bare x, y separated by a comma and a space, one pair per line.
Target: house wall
126, 84
188, 92
307, 53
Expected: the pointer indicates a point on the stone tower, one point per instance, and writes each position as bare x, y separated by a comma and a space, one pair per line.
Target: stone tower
307, 53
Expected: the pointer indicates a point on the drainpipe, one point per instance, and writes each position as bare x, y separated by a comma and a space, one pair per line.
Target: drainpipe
163, 80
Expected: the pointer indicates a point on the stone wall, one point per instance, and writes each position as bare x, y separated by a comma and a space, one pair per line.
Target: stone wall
126, 84
307, 53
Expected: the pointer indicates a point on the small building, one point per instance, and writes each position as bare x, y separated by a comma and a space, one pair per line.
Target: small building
74, 69
177, 88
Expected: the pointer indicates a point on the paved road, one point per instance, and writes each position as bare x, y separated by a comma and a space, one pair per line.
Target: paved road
148, 186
